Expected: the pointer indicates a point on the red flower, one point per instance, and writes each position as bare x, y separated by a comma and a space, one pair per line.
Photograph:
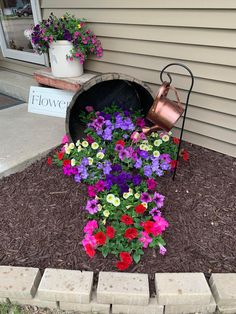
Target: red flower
110, 232
140, 209
148, 226
131, 233
66, 162
89, 250
176, 140
49, 161
122, 265
127, 220
100, 238
126, 257
121, 142
185, 155
60, 155
173, 163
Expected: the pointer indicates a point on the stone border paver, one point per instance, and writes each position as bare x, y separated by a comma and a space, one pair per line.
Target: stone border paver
70, 290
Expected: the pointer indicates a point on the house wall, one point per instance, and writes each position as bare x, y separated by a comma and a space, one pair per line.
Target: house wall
141, 37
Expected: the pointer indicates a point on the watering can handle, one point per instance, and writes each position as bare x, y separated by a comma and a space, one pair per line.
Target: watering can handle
165, 87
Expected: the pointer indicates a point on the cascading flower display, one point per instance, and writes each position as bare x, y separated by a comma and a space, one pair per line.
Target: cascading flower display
121, 167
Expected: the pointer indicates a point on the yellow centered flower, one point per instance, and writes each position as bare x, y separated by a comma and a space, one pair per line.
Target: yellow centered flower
100, 155
72, 162
137, 195
165, 138
156, 153
85, 144
116, 201
110, 198
131, 191
145, 204
90, 161
106, 213
170, 133
72, 145
143, 147
94, 145
99, 207
157, 142
79, 148
104, 221
77, 143
67, 149
126, 195
150, 147
79, 26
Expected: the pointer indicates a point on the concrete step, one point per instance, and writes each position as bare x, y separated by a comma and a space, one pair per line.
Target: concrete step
15, 84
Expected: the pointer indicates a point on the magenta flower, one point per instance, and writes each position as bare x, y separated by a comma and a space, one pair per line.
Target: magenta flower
160, 225
119, 147
91, 191
145, 239
100, 186
92, 206
64, 139
90, 226
145, 197
151, 184
89, 239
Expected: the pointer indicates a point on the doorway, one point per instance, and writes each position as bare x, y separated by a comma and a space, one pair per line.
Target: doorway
15, 17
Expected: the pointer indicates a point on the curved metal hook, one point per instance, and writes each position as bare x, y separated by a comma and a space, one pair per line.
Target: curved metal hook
168, 74
187, 100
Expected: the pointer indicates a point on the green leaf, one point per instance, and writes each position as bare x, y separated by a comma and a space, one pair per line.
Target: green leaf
136, 257
104, 251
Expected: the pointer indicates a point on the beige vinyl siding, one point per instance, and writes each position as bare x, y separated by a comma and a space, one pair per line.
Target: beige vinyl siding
141, 37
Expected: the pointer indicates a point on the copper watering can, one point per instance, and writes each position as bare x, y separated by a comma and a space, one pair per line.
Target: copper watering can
164, 112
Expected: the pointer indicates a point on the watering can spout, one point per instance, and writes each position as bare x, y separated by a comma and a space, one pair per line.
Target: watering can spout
148, 130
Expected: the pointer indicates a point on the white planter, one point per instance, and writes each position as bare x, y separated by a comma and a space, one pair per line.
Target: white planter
61, 67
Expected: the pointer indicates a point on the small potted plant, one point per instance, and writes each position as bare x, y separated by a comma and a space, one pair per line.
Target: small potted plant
68, 41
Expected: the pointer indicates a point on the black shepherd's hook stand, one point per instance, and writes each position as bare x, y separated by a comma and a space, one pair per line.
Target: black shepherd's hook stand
186, 104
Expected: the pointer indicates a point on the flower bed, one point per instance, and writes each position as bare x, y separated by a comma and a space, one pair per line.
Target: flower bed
120, 166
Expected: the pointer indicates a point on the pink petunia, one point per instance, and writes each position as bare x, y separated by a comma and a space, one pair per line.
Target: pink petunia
145, 239
91, 226
89, 108
64, 139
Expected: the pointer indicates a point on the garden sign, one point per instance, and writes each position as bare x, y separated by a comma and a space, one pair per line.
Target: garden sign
49, 101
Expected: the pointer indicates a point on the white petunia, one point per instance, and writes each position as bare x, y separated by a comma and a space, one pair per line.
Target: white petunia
72, 146
156, 153
85, 144
73, 162
100, 155
79, 148
90, 161
110, 198
157, 142
116, 201
94, 145
165, 138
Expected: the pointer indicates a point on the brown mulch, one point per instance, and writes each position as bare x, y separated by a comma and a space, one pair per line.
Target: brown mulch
42, 218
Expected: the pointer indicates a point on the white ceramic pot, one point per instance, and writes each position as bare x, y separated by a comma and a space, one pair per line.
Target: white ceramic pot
61, 67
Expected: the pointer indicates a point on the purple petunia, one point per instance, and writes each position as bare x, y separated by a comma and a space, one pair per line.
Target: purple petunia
137, 179
138, 164
158, 199
145, 197
155, 212
91, 206
147, 171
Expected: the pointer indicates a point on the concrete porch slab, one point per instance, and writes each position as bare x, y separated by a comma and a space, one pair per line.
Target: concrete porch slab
26, 137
